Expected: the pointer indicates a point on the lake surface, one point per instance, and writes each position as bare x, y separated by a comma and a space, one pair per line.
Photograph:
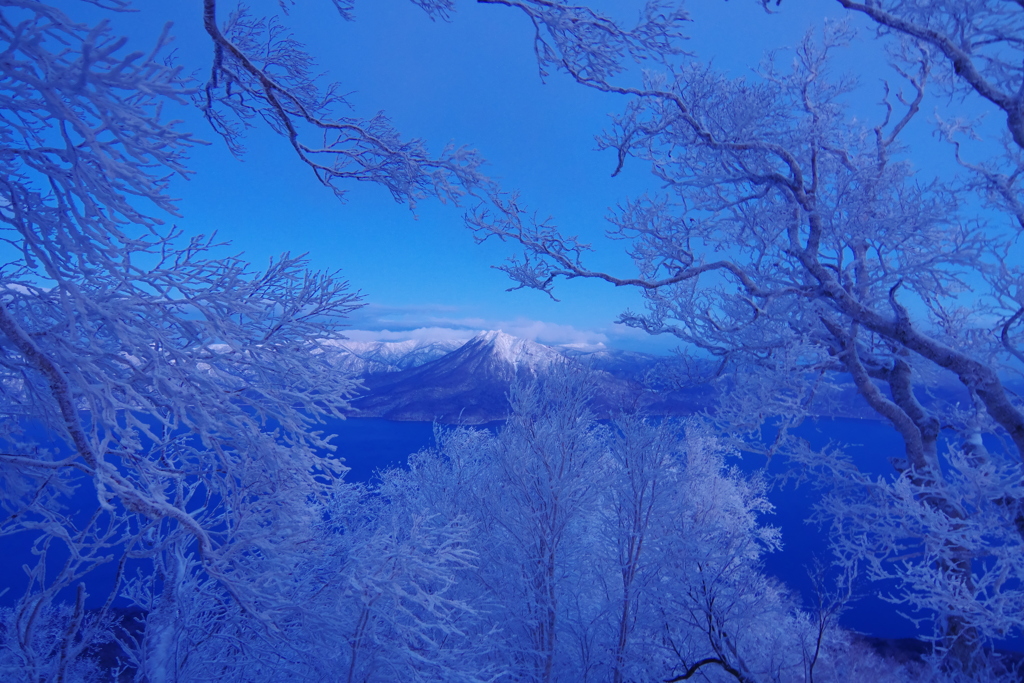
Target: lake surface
871, 443
373, 444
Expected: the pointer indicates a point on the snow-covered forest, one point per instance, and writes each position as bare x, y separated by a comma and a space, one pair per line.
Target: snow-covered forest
804, 233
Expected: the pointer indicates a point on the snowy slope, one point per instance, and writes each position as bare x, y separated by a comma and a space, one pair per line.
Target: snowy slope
626, 364
365, 358
470, 385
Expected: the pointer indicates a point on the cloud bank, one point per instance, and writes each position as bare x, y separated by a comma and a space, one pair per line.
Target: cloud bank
443, 323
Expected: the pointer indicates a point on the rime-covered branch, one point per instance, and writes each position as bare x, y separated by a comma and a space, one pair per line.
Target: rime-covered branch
259, 71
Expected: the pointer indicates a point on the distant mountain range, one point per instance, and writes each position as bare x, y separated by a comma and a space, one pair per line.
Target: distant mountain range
468, 383
370, 358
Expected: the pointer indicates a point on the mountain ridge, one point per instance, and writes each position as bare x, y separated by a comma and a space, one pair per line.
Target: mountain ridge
470, 384
371, 357
467, 382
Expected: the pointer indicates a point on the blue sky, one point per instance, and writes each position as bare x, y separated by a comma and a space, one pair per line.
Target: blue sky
471, 81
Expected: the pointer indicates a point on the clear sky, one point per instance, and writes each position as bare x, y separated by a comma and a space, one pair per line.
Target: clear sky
471, 81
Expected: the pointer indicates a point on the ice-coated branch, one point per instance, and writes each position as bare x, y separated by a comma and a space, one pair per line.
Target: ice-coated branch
260, 71
697, 666
592, 47
82, 161
1004, 335
981, 42
559, 256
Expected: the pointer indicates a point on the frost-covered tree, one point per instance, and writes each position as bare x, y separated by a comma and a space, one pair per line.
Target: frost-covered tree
530, 495
370, 596
179, 386
628, 551
791, 242
393, 568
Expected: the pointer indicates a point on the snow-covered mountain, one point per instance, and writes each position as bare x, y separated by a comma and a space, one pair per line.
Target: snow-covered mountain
507, 355
367, 358
467, 382
372, 357
619, 362
470, 385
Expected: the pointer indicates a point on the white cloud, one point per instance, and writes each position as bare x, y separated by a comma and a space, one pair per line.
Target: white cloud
443, 323
421, 333
554, 334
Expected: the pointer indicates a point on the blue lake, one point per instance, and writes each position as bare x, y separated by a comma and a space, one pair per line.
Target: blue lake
871, 443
